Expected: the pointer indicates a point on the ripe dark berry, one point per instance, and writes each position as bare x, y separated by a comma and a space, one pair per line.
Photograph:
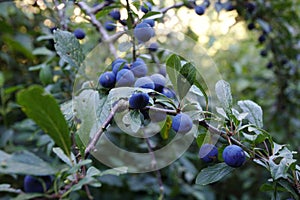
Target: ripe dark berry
263, 53
206, 3
269, 65
262, 38
124, 77
234, 156
119, 60
35, 184
218, 6
139, 100
169, 93
115, 14
182, 123
153, 47
119, 65
284, 61
228, 6
139, 68
208, 153
200, 10
109, 26
190, 4
163, 71
123, 22
144, 82
151, 22
159, 81
107, 79
52, 29
143, 32
146, 7
79, 33
250, 6
251, 26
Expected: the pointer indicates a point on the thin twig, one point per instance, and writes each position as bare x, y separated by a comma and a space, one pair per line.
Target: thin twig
100, 6
176, 5
61, 15
105, 124
101, 29
167, 111
131, 24
88, 192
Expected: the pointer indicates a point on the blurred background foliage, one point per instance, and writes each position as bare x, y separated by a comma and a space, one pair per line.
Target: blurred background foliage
27, 56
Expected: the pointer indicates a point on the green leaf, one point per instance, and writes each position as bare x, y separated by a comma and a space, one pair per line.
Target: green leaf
79, 165
115, 171
203, 138
86, 180
289, 188
2, 79
266, 187
59, 152
86, 104
224, 95
213, 173
92, 171
255, 114
25, 196
185, 79
135, 120
153, 15
24, 162
42, 51
280, 162
8, 188
68, 48
45, 74
67, 110
173, 67
164, 133
44, 110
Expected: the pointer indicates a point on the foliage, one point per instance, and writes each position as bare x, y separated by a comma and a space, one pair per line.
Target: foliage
61, 125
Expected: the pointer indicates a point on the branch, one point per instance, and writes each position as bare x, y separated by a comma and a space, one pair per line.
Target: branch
99, 7
168, 111
61, 15
130, 26
99, 26
223, 134
121, 103
177, 5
